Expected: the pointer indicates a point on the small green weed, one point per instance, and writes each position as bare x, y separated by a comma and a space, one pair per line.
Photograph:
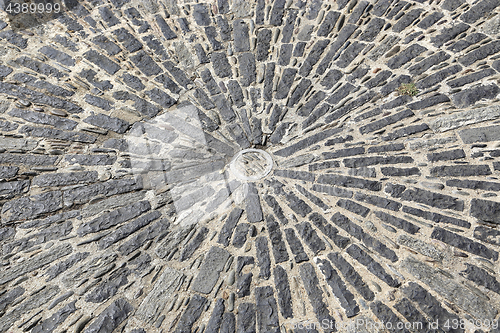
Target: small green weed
408, 89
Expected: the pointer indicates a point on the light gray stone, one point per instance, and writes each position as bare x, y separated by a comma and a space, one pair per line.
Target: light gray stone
420, 246
214, 263
161, 294
449, 289
17, 144
464, 118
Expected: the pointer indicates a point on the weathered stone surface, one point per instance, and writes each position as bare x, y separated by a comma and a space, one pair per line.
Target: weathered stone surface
397, 222
50, 133
433, 199
436, 217
108, 220
373, 266
31, 207
43, 118
253, 207
481, 277
162, 292
35, 262
351, 275
193, 311
32, 302
420, 246
461, 170
111, 317
488, 211
449, 289
108, 188
315, 294
464, 243
60, 267
285, 83
63, 179
114, 124
214, 263
278, 245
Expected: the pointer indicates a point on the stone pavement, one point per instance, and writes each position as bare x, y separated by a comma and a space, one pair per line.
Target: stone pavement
251, 166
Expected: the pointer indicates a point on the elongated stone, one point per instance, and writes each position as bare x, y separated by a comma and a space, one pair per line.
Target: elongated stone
161, 294
449, 289
214, 263
35, 262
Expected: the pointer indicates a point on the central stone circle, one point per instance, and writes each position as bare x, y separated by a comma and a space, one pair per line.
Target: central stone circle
251, 164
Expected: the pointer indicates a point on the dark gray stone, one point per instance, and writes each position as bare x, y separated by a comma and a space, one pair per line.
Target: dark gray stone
102, 62
374, 267
461, 170
449, 289
345, 297
31, 207
313, 57
263, 259
111, 317
114, 218
480, 9
165, 28
35, 262
63, 179
106, 44
221, 65
283, 291
279, 248
246, 318
193, 311
405, 56
315, 294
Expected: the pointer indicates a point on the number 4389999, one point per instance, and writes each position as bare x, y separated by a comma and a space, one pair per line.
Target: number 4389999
32, 8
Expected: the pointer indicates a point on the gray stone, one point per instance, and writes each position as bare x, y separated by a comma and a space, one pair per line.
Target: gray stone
111, 317
108, 220
62, 266
253, 207
108, 188
193, 311
214, 263
128, 229
453, 292
10, 296
35, 262
51, 323
102, 62
63, 179
480, 134
50, 133
488, 211
161, 294
114, 124
45, 119
267, 310
10, 189
34, 301
420, 247
31, 207
221, 65
91, 160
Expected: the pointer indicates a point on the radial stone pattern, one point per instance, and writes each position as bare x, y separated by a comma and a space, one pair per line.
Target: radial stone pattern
251, 166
